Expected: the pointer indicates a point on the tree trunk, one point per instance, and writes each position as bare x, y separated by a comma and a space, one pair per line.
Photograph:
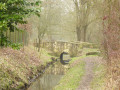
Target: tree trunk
84, 37
85, 32
78, 33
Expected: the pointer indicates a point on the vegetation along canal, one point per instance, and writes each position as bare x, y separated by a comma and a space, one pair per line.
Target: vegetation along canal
50, 78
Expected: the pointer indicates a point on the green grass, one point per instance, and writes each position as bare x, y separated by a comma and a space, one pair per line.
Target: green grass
76, 58
72, 78
98, 81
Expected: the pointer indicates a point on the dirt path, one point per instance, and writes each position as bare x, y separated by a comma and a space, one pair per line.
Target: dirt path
89, 75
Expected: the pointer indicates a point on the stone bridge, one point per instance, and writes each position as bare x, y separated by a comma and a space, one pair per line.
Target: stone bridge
72, 47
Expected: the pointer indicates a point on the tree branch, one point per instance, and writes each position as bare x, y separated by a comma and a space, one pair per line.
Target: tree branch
93, 20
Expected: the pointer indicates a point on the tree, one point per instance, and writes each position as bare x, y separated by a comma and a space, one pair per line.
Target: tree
83, 11
14, 12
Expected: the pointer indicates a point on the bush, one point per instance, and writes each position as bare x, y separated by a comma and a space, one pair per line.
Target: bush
16, 46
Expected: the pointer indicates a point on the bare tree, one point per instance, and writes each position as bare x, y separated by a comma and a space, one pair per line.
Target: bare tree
83, 11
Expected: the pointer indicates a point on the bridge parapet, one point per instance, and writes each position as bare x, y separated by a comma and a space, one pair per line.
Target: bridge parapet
73, 47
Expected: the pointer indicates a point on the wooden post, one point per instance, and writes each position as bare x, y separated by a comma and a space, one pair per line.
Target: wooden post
15, 36
23, 39
7, 38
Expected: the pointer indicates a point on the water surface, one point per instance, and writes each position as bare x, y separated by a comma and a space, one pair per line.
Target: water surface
50, 78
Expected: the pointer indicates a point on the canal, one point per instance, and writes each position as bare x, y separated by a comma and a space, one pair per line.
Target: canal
50, 78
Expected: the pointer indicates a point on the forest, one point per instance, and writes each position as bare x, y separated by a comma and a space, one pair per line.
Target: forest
59, 44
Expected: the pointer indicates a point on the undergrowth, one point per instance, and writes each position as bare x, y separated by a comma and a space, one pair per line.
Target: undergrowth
17, 67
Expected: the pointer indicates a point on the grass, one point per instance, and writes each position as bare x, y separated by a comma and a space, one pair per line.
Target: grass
74, 59
72, 78
98, 81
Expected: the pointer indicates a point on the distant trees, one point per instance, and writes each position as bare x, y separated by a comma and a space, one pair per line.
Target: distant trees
84, 11
82, 14
14, 12
56, 22
42, 25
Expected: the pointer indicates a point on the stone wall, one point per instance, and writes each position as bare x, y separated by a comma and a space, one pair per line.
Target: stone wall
73, 48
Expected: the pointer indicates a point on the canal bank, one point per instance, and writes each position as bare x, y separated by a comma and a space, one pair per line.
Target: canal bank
19, 68
54, 74
60, 77
40, 72
50, 78
85, 73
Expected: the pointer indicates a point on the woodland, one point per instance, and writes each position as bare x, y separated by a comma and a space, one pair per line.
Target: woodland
33, 33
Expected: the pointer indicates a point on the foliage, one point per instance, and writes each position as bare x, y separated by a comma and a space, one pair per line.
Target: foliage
15, 46
14, 12
3, 40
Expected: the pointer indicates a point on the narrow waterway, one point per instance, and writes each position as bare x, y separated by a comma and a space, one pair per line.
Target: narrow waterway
50, 78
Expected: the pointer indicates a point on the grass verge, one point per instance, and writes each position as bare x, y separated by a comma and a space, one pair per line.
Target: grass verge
72, 78
99, 79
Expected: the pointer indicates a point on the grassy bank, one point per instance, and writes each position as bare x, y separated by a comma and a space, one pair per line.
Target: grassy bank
73, 76
17, 67
99, 79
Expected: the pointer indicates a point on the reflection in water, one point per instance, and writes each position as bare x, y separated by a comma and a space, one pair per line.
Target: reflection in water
50, 79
